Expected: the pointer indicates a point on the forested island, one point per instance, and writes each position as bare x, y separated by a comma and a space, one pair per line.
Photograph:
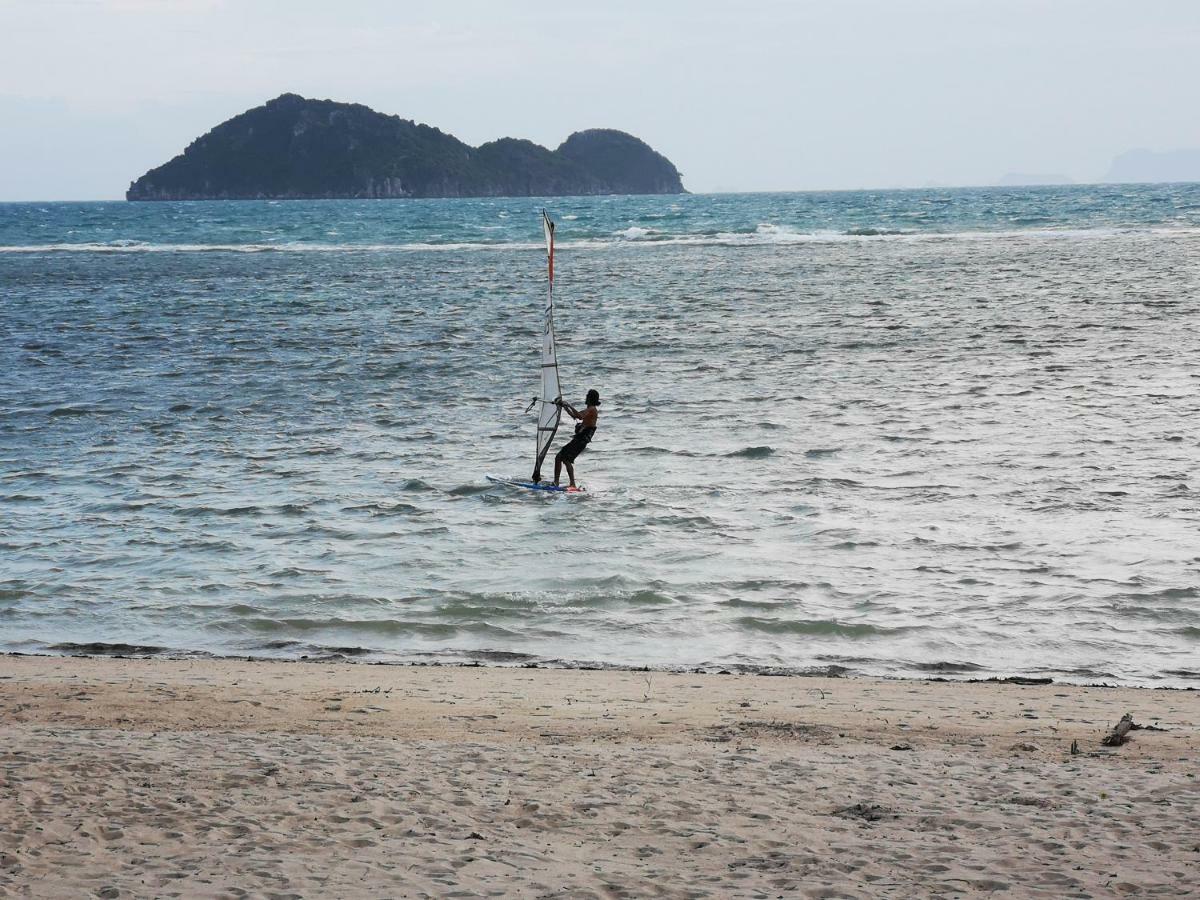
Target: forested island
296, 148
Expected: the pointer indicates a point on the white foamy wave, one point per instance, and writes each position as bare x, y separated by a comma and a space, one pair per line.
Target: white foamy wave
765, 234
634, 233
773, 232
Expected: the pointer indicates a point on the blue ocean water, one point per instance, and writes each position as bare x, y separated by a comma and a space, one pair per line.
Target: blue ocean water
948, 431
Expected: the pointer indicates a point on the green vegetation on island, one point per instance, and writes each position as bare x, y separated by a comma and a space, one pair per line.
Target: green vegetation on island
295, 148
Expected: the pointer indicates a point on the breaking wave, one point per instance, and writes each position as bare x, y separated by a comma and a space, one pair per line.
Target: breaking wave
765, 234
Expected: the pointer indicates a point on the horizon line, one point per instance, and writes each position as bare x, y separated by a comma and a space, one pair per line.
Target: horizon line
711, 193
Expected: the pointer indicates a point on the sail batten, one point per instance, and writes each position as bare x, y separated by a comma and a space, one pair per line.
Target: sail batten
549, 413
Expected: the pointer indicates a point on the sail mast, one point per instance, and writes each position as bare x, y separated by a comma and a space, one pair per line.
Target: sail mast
549, 413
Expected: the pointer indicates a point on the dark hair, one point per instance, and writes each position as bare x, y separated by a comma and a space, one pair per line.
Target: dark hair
593, 397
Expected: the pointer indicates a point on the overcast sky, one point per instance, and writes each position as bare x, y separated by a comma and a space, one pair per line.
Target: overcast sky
767, 95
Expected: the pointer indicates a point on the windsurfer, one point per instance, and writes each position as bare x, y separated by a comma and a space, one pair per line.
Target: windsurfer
585, 428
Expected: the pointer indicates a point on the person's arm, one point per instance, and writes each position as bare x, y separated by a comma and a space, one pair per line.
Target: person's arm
574, 413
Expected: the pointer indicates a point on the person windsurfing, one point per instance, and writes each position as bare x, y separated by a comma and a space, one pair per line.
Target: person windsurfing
585, 429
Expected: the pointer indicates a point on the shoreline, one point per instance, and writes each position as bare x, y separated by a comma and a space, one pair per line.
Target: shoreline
201, 777
358, 657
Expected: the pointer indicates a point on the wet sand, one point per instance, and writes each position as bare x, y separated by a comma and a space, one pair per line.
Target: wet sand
161, 778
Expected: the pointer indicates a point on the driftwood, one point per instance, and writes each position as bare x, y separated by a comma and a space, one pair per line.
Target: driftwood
1118, 735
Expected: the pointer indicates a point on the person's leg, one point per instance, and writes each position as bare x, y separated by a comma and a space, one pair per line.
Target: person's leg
557, 469
571, 463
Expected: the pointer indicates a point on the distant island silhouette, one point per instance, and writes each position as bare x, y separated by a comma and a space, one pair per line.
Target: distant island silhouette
296, 148
1151, 166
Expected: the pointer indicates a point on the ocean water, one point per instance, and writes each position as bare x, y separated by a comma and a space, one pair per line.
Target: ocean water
902, 433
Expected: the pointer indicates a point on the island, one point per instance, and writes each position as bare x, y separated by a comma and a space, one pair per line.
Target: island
1150, 167
293, 148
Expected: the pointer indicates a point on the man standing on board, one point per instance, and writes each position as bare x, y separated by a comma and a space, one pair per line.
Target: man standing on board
584, 429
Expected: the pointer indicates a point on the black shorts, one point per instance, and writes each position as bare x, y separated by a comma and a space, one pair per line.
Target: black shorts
572, 449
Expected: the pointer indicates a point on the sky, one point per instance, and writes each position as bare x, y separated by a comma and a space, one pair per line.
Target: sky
753, 95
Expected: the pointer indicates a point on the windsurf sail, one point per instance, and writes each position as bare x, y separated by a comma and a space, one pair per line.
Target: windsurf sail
548, 411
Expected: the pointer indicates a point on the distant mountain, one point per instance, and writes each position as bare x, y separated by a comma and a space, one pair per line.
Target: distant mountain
295, 148
1024, 179
1147, 165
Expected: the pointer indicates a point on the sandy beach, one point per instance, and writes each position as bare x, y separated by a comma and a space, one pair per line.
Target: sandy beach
160, 778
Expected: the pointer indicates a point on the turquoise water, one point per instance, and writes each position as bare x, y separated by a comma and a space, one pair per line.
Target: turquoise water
735, 220
899, 432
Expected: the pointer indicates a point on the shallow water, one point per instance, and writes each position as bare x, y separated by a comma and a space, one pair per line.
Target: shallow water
262, 429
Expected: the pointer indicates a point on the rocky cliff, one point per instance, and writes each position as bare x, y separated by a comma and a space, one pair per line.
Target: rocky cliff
295, 148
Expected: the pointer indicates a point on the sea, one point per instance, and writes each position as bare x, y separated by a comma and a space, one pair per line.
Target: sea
934, 433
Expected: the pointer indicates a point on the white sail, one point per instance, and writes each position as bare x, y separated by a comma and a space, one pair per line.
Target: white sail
548, 411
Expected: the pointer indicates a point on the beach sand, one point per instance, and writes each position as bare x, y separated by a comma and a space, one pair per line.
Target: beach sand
161, 778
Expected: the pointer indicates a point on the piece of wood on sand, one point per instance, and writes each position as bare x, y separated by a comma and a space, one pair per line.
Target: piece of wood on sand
1118, 735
